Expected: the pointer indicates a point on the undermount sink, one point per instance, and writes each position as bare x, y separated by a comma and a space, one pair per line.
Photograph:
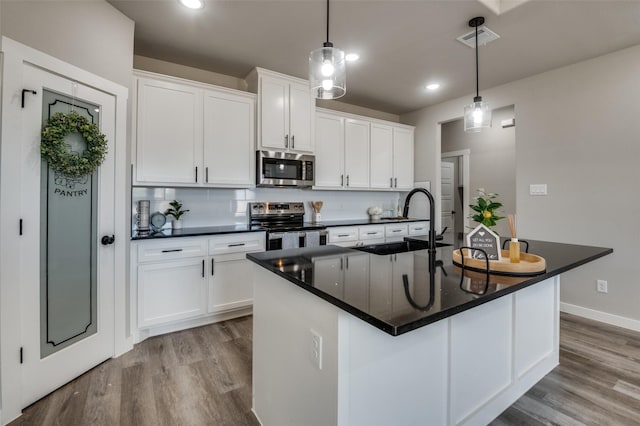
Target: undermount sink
399, 247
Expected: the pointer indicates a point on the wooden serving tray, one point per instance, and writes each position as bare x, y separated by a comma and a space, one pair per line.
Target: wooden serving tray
530, 264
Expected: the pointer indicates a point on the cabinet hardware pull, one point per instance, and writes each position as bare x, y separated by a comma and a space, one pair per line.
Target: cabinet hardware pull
418, 229
347, 180
371, 233
235, 245
347, 263
206, 172
341, 180
396, 230
196, 174
286, 141
293, 141
20, 227
343, 235
390, 182
396, 179
341, 263
171, 250
212, 266
202, 268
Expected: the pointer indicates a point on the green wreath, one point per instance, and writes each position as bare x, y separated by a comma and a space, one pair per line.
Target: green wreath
54, 149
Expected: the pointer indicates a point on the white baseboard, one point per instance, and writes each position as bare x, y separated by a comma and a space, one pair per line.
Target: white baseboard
604, 317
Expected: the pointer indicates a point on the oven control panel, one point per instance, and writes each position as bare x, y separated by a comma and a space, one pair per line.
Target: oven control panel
275, 208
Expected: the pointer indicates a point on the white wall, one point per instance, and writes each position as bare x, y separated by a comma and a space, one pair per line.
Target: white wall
576, 131
492, 162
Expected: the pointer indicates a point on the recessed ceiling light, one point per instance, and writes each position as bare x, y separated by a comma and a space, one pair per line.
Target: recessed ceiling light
193, 4
433, 86
352, 57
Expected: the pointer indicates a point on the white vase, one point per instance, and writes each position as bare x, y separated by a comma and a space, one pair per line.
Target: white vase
176, 224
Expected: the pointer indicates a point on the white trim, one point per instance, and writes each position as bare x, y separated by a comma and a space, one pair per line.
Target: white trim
466, 157
14, 56
605, 317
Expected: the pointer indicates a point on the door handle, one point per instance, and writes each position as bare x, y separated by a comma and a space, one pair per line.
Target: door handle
206, 174
341, 180
202, 268
293, 141
108, 240
212, 266
196, 174
347, 180
390, 182
396, 179
286, 141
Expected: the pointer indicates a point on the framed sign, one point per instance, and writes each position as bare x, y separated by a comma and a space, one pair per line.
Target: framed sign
484, 238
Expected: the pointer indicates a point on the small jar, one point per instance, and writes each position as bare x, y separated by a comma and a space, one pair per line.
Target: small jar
514, 250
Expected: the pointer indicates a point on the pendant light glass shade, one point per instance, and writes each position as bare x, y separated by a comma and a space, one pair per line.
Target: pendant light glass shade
327, 72
477, 115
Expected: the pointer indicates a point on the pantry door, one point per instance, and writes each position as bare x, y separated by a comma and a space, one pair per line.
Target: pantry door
67, 264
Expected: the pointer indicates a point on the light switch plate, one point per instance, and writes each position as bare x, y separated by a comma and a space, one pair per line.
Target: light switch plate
538, 189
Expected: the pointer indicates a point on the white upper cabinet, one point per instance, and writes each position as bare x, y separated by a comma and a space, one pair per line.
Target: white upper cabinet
168, 132
329, 151
381, 156
342, 152
402, 158
354, 152
192, 134
229, 157
285, 111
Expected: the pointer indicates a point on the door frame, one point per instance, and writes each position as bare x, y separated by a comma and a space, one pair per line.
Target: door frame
466, 155
14, 55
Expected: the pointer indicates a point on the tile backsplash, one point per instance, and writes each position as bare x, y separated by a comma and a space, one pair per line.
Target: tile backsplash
213, 207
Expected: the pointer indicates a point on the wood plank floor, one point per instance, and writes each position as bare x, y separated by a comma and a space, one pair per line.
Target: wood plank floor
202, 376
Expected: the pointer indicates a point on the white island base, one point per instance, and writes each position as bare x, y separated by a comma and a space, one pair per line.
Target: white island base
462, 370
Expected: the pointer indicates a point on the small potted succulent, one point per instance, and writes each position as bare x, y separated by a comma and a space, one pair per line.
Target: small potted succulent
176, 212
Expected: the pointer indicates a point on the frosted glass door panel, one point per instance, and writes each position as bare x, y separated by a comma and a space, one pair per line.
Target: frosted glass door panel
68, 261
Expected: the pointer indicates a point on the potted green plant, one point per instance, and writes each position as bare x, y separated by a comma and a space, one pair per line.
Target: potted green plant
176, 212
486, 209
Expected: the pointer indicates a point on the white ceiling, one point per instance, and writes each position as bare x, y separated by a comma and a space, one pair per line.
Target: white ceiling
403, 44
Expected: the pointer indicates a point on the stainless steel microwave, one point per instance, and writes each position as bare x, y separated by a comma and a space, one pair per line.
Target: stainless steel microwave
276, 168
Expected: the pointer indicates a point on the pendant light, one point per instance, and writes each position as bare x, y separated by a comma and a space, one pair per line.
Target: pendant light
477, 115
327, 70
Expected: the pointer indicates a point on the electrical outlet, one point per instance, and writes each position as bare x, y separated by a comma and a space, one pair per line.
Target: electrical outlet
538, 189
316, 349
601, 286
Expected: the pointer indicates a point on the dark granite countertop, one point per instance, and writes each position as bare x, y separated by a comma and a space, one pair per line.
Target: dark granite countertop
400, 292
196, 232
230, 229
358, 222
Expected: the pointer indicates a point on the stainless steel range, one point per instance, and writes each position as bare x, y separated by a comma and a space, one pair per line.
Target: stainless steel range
285, 225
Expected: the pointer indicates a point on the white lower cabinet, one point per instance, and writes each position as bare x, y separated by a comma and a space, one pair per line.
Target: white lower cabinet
171, 291
182, 279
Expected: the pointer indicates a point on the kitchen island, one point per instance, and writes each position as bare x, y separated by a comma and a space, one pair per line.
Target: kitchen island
347, 337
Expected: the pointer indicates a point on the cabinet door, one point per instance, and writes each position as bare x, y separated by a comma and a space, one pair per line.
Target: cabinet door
403, 158
328, 276
356, 153
329, 151
274, 113
229, 155
231, 284
171, 291
301, 115
381, 156
356, 280
168, 132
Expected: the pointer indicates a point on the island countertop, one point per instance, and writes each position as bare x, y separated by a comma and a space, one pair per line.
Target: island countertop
401, 292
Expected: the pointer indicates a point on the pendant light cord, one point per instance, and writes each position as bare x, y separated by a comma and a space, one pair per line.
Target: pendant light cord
328, 21
477, 72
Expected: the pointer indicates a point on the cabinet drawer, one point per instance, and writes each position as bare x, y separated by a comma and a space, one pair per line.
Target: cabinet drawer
237, 243
343, 234
419, 228
396, 230
176, 248
371, 232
